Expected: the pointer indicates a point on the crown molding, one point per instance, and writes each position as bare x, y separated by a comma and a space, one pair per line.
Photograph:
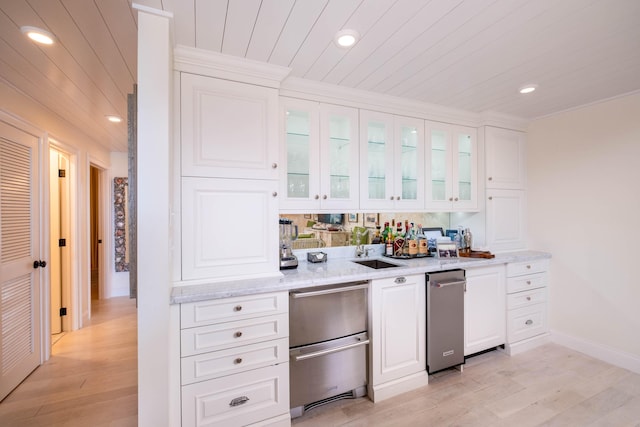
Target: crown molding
214, 64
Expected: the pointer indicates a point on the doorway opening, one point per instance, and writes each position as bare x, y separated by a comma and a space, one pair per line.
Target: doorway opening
60, 242
97, 290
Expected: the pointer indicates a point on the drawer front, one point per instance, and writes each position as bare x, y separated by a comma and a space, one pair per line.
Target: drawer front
528, 267
237, 400
232, 334
525, 283
526, 298
229, 309
238, 359
526, 322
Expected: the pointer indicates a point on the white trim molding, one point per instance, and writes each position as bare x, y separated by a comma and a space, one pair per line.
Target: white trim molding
607, 354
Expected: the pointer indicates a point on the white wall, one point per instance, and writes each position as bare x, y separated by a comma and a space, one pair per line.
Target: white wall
584, 208
117, 283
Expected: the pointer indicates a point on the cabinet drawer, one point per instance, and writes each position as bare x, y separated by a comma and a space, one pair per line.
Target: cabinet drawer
237, 400
228, 309
528, 267
526, 322
526, 298
232, 334
238, 359
525, 283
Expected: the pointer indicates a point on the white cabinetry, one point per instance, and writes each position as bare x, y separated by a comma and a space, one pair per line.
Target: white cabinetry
505, 158
229, 149
228, 129
527, 304
319, 156
452, 165
398, 335
391, 162
484, 309
505, 189
235, 361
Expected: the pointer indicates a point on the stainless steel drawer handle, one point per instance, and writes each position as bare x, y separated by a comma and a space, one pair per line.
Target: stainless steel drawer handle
239, 401
449, 283
302, 294
237, 334
238, 361
400, 280
329, 351
529, 322
237, 308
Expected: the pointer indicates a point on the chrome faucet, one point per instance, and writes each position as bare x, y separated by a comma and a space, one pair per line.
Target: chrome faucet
361, 250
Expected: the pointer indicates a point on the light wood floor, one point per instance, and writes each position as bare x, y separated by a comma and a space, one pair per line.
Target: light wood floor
548, 386
91, 380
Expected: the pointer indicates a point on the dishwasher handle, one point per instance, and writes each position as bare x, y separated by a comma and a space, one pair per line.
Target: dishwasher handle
329, 351
333, 290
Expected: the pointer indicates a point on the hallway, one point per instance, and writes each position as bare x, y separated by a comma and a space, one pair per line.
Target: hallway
90, 379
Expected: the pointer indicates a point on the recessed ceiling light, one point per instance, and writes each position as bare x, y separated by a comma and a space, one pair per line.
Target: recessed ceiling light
528, 88
114, 119
38, 35
346, 38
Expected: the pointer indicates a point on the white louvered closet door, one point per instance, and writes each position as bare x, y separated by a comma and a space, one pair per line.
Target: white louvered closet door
20, 330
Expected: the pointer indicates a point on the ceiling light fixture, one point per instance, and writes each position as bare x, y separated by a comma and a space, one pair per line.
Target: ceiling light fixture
114, 119
38, 35
346, 38
528, 88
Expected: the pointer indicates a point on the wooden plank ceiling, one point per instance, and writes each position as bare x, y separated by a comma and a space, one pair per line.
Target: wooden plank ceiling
472, 55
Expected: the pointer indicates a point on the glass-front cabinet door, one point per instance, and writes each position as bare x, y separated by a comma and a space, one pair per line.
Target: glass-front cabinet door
452, 161
320, 156
376, 160
392, 161
338, 157
409, 163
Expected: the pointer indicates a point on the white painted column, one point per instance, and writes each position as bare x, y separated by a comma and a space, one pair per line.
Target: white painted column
154, 143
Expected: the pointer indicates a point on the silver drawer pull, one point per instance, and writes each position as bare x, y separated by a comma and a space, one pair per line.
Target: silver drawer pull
237, 308
239, 401
528, 298
237, 334
528, 267
529, 322
400, 280
450, 282
528, 282
238, 361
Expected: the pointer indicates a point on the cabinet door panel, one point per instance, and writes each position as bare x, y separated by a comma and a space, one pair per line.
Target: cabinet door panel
409, 163
399, 328
505, 219
228, 129
505, 158
376, 151
484, 309
229, 228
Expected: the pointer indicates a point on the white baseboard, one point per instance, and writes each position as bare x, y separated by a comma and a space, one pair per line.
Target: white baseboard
598, 351
525, 345
402, 385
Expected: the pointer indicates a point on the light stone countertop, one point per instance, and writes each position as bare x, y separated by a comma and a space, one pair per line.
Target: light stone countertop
335, 271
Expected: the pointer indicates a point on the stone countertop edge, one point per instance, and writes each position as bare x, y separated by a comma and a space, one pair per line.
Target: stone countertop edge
336, 271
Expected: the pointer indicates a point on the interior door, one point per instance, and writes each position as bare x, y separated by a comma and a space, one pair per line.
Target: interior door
20, 271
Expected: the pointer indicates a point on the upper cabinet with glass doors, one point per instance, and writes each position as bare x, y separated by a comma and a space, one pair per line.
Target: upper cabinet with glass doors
392, 162
452, 161
320, 157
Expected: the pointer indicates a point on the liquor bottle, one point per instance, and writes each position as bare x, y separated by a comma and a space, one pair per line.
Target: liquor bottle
388, 250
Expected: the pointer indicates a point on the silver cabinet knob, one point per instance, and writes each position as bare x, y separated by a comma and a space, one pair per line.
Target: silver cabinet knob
490, 178
391, 198
237, 334
274, 194
451, 199
397, 197
529, 322
528, 298
238, 361
317, 197
456, 199
528, 267
274, 166
237, 308
490, 197
324, 197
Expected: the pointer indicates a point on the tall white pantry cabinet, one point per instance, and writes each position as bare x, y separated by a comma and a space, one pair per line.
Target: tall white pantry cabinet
234, 352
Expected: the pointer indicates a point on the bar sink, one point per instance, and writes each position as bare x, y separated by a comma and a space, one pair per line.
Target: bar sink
376, 263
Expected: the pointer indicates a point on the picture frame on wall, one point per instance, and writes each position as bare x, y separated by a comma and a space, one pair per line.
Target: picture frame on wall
352, 217
370, 220
446, 250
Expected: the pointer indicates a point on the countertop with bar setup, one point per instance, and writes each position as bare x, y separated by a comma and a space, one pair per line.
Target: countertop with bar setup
341, 266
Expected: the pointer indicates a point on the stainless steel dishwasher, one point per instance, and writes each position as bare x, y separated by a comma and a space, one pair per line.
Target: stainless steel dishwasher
445, 319
328, 340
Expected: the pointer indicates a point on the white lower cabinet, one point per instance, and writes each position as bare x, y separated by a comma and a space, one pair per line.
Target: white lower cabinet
527, 318
235, 361
398, 335
484, 309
